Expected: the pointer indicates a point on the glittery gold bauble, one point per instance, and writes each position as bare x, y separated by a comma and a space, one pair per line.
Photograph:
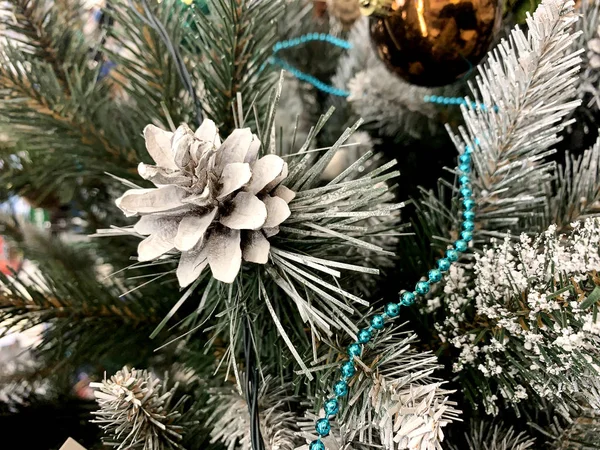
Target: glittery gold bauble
432, 42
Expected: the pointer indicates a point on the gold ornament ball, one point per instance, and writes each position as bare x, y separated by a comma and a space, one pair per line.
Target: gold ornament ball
432, 42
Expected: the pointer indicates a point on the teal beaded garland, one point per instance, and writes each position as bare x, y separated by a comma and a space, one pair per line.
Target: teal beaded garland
331, 407
443, 264
354, 350
377, 322
466, 192
434, 275
341, 388
316, 445
408, 298
422, 287
466, 236
323, 427
348, 369
469, 215
468, 204
392, 309
461, 245
364, 336
452, 255
465, 158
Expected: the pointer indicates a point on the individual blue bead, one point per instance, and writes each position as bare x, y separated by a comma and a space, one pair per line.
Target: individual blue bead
464, 180
477, 141
466, 192
465, 168
468, 150
452, 255
348, 369
331, 407
461, 245
465, 158
466, 236
422, 287
316, 445
323, 427
468, 204
340, 388
377, 321
469, 215
443, 264
408, 298
468, 225
354, 350
364, 335
392, 309
434, 275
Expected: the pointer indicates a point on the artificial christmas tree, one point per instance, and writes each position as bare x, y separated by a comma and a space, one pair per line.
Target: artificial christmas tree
244, 266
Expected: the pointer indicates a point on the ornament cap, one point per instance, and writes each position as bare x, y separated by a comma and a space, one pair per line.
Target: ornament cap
379, 8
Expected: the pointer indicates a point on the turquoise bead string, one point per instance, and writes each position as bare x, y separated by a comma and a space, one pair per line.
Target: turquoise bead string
331, 90
309, 78
348, 368
441, 100
301, 40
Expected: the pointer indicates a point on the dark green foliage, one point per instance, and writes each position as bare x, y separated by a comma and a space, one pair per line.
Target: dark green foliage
229, 51
80, 311
145, 71
74, 130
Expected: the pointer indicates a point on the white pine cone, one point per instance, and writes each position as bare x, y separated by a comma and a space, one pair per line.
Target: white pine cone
215, 203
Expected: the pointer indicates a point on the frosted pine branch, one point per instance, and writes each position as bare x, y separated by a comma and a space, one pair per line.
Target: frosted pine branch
485, 436
230, 421
577, 188
136, 412
525, 327
527, 84
589, 79
397, 403
298, 242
